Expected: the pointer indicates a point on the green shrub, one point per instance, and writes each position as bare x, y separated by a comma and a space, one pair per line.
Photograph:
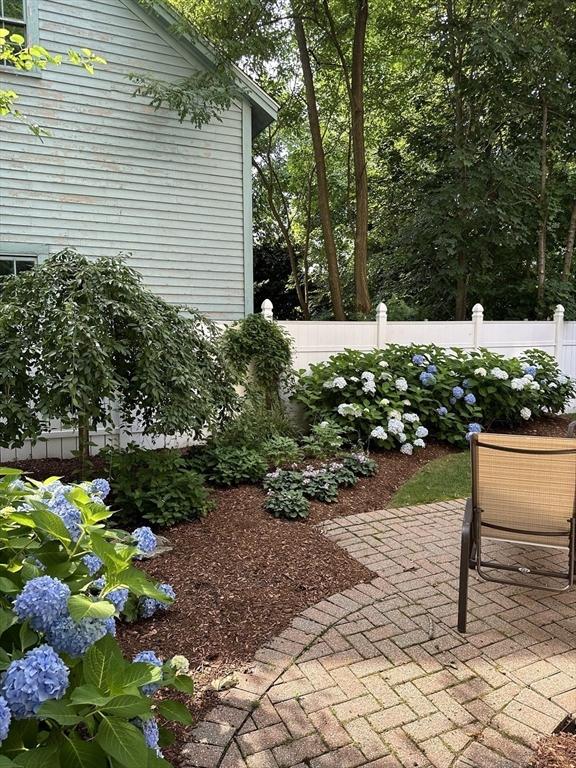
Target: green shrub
395, 397
226, 465
64, 578
254, 424
360, 464
320, 484
280, 450
156, 487
342, 474
325, 439
283, 480
288, 503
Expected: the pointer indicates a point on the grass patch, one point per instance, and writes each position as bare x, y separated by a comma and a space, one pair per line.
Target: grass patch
441, 479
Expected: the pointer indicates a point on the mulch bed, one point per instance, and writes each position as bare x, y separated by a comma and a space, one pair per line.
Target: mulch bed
240, 575
558, 751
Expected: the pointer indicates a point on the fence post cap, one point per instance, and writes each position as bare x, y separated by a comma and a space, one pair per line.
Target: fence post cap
559, 310
267, 309
381, 309
477, 309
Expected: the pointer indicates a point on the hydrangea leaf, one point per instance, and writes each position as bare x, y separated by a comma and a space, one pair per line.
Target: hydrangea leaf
81, 607
89, 694
174, 711
60, 711
76, 753
123, 742
129, 677
127, 706
51, 524
99, 662
184, 684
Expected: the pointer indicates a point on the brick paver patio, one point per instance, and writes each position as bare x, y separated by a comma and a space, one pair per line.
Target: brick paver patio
378, 675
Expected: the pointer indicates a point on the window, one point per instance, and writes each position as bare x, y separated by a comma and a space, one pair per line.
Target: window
13, 265
13, 16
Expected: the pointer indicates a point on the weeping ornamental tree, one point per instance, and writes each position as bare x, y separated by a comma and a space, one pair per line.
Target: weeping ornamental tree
82, 341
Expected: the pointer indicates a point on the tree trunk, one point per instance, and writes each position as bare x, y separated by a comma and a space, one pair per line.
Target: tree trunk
83, 445
455, 55
359, 149
543, 200
287, 240
569, 249
321, 175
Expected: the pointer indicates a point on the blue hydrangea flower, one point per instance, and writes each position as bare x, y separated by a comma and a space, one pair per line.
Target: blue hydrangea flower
432, 369
39, 676
43, 601
92, 563
5, 717
147, 606
149, 657
71, 517
452, 400
442, 411
457, 392
74, 638
99, 583
144, 539
466, 383
427, 379
418, 359
100, 487
421, 432
470, 399
149, 728
118, 597
474, 427
530, 370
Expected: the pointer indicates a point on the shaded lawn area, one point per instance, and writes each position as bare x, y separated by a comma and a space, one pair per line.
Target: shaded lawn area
448, 477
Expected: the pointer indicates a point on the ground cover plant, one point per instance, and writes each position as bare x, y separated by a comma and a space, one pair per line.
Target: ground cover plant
398, 396
68, 697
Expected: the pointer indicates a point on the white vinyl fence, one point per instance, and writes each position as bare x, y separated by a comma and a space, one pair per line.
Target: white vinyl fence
317, 340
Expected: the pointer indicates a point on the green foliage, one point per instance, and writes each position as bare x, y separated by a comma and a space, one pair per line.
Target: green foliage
228, 465
90, 720
326, 438
283, 480
15, 53
80, 338
396, 396
288, 503
254, 424
259, 350
155, 487
343, 474
360, 464
445, 478
280, 450
319, 484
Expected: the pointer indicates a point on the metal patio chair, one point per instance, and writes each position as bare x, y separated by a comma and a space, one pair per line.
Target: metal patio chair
523, 492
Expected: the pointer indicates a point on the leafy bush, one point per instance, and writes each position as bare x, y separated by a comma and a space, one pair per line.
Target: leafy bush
254, 424
342, 474
81, 340
283, 480
227, 465
360, 464
67, 695
280, 450
325, 439
288, 503
260, 350
394, 397
155, 486
320, 484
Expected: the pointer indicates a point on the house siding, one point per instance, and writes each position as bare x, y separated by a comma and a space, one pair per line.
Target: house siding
115, 175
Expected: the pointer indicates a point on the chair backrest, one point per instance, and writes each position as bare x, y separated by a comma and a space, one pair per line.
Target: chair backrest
525, 487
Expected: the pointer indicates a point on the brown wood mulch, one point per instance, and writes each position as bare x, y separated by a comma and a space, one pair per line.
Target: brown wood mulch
558, 751
240, 575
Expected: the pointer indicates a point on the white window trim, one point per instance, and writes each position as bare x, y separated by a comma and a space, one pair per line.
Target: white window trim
32, 38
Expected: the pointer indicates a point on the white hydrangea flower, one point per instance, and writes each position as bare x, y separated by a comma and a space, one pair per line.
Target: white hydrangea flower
384, 401
553, 385
369, 386
383, 364
561, 379
402, 438
379, 433
480, 372
367, 376
421, 432
518, 384
401, 384
385, 376
354, 378
535, 386
498, 373
411, 418
395, 426
349, 409
526, 413
407, 449
406, 402
419, 443
337, 383
394, 414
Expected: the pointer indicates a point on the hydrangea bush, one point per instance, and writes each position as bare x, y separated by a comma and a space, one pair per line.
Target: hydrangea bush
68, 697
396, 397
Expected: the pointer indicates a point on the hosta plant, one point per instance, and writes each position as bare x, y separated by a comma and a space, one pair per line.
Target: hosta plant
68, 697
291, 504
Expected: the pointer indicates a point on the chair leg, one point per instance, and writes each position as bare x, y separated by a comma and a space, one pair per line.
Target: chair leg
465, 551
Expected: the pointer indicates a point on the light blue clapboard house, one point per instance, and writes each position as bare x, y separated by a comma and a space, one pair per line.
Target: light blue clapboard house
115, 175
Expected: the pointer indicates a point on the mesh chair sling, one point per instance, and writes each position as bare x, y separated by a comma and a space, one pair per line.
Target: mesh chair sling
523, 492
